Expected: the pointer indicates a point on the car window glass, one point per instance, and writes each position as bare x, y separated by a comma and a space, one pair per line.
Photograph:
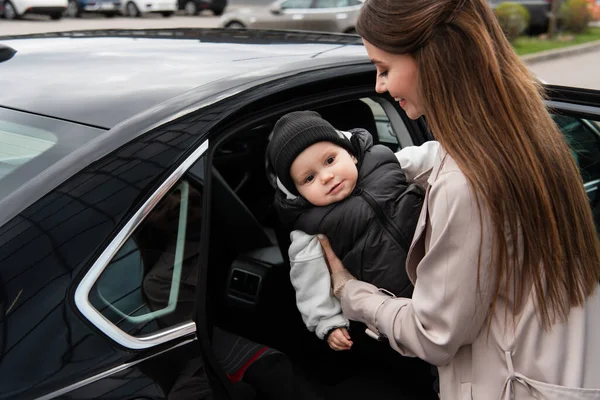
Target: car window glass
30, 144
290, 4
19, 144
385, 131
150, 283
331, 3
583, 137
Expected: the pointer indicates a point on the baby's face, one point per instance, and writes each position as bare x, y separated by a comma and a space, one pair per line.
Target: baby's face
324, 173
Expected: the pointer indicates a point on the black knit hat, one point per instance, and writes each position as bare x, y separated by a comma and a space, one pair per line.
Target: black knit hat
292, 134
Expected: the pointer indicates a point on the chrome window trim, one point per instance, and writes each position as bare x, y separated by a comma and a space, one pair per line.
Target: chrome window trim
398, 125
591, 185
560, 105
105, 374
83, 289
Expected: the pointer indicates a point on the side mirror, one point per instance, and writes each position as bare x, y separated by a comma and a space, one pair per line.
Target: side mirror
275, 9
6, 52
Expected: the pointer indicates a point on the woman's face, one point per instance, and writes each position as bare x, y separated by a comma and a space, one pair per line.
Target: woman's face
398, 75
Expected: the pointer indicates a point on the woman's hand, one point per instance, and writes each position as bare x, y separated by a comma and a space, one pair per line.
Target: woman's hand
339, 274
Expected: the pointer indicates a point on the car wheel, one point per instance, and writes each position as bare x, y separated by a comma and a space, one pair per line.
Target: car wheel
132, 10
56, 16
73, 10
218, 11
10, 12
167, 14
235, 25
190, 8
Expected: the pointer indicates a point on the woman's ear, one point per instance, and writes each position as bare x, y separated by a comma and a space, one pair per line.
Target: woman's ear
354, 159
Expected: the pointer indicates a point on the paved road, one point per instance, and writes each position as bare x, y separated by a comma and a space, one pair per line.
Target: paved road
42, 24
581, 70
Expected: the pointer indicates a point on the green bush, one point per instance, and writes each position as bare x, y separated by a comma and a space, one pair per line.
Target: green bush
513, 18
575, 15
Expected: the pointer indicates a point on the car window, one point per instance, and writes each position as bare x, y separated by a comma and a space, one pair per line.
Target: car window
583, 137
290, 4
30, 144
332, 3
385, 132
149, 285
20, 144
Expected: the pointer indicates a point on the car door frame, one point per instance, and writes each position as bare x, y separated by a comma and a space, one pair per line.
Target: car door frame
244, 119
579, 103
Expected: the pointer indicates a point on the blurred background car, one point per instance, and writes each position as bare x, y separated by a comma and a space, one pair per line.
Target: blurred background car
15, 9
109, 8
195, 7
314, 15
135, 8
539, 10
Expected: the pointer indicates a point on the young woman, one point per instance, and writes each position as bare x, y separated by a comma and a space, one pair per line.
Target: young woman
505, 259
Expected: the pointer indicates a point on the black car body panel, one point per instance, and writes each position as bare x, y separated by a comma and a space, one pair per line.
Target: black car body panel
63, 231
103, 80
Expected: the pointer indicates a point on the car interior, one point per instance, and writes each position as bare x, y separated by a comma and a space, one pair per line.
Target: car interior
250, 289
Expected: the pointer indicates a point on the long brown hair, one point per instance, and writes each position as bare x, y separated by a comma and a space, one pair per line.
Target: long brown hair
487, 111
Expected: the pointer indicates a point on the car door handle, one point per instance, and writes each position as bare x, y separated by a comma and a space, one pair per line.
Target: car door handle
297, 17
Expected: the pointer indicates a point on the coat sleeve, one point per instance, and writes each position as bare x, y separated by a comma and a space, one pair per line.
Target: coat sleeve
448, 307
417, 161
309, 274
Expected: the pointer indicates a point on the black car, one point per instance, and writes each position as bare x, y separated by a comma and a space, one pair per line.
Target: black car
195, 7
136, 216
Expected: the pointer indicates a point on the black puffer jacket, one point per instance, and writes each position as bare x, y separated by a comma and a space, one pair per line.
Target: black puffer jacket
371, 230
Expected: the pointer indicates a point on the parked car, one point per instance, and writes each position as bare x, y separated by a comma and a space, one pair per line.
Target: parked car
539, 11
15, 9
136, 207
109, 8
195, 7
136, 8
313, 15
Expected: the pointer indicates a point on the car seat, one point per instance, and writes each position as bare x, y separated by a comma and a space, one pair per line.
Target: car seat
350, 114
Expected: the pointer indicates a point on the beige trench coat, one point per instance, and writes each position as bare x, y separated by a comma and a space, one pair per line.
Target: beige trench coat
445, 323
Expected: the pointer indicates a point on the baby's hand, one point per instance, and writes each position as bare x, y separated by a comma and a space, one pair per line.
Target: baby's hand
339, 339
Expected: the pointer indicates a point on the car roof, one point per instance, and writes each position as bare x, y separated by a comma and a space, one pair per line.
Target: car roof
103, 77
